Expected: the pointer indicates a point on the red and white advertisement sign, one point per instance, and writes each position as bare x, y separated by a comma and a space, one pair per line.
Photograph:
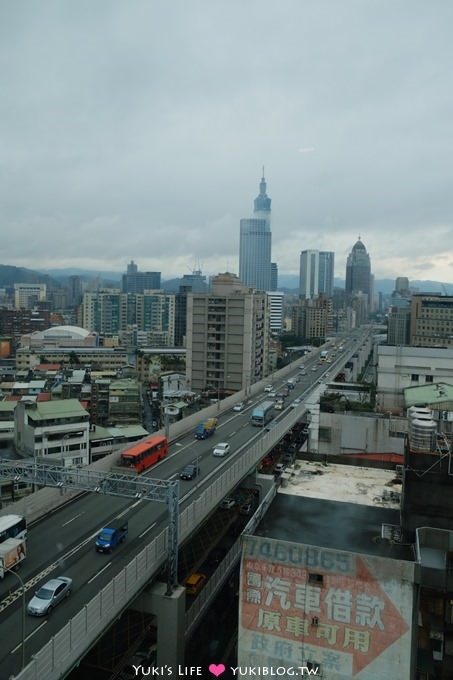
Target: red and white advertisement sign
350, 614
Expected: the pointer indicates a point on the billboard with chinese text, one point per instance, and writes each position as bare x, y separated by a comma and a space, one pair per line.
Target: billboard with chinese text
348, 614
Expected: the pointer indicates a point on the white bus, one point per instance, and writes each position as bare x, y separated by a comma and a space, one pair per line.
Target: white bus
12, 526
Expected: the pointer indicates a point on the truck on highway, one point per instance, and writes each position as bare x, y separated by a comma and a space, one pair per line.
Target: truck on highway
262, 413
12, 552
111, 535
206, 428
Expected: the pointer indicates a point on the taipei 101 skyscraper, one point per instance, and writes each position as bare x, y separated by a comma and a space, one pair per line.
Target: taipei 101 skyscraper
256, 243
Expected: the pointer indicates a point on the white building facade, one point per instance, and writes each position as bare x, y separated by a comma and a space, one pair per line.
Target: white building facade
402, 367
56, 430
275, 311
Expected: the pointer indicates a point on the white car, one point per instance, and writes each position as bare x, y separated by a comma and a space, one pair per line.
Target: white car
221, 449
268, 388
239, 406
228, 503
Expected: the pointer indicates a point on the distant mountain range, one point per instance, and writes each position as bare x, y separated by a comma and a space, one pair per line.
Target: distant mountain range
385, 286
290, 283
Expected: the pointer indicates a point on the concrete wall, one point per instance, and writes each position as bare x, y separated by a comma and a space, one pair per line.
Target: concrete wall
352, 433
398, 365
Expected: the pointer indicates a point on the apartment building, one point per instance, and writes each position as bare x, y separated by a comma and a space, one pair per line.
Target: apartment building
431, 322
227, 336
54, 430
111, 313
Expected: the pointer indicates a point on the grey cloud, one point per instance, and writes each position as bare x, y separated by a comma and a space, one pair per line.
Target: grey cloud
141, 128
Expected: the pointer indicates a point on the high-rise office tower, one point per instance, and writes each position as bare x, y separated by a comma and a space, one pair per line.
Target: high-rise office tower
316, 273
137, 282
27, 295
75, 290
358, 271
255, 244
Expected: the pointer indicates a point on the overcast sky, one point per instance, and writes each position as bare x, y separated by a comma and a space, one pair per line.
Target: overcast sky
137, 129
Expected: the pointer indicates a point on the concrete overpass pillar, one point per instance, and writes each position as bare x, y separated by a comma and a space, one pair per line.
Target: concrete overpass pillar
170, 612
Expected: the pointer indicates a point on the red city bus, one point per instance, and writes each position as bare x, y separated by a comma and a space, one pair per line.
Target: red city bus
143, 455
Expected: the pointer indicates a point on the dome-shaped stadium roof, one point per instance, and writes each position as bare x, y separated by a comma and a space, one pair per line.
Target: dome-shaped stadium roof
74, 332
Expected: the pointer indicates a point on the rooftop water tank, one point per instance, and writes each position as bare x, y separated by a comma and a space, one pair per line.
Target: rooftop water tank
422, 433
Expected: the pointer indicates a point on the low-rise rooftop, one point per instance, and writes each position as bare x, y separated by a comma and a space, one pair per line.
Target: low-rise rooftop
338, 507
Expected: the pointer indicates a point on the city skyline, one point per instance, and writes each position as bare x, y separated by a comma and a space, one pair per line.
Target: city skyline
138, 143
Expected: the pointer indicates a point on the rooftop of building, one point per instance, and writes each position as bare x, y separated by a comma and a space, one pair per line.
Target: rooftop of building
64, 408
64, 332
7, 406
48, 367
124, 384
79, 351
340, 507
31, 384
434, 393
117, 432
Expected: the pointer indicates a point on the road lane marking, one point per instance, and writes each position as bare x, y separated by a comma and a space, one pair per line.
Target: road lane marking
19, 646
146, 530
72, 520
100, 572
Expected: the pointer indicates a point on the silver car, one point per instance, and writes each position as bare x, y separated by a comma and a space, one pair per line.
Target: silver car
49, 595
221, 449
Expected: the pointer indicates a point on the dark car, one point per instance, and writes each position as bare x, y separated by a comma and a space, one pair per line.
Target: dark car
246, 508
190, 472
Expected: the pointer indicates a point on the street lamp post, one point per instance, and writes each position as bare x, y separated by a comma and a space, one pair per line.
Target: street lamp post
64, 438
226, 378
11, 571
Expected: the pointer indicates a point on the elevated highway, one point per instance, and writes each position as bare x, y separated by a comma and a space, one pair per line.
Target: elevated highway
105, 586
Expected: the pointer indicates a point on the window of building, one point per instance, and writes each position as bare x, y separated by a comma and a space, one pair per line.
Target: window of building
315, 579
414, 377
429, 378
325, 434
